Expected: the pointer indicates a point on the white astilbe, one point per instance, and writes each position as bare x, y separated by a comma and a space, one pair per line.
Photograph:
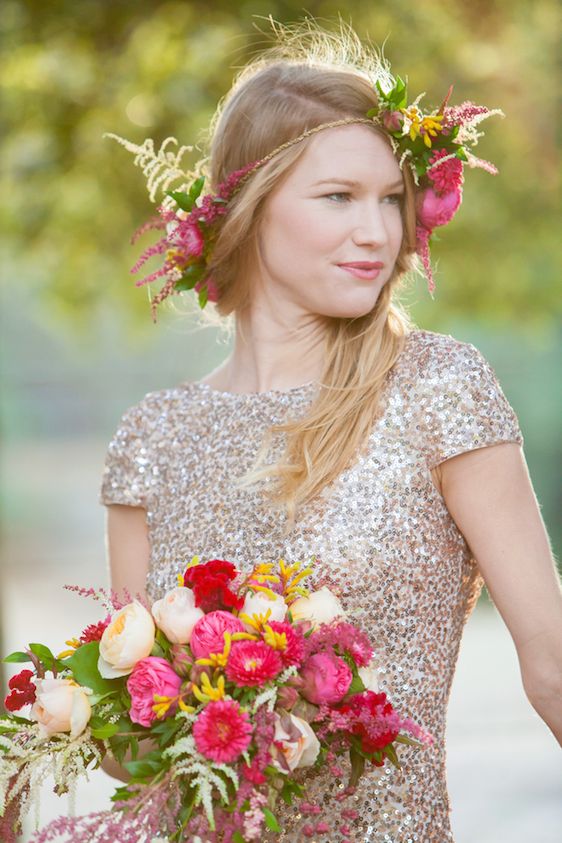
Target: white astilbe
203, 774
467, 132
269, 696
163, 168
30, 758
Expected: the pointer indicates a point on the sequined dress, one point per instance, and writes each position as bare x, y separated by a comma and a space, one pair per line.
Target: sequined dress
383, 537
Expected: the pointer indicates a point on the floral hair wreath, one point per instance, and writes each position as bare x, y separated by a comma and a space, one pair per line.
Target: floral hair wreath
435, 146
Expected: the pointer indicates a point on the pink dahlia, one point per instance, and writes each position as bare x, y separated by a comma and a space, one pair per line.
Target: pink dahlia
222, 732
208, 633
252, 663
447, 176
294, 651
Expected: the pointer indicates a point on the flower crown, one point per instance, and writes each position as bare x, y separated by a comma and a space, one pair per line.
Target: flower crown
434, 145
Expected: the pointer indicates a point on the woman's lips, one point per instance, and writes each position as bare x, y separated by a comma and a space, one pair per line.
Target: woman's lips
361, 272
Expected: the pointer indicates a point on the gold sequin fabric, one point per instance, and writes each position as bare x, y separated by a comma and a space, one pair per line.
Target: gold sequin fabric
383, 538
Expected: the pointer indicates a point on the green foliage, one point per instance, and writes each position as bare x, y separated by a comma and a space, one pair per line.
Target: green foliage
69, 201
83, 664
17, 658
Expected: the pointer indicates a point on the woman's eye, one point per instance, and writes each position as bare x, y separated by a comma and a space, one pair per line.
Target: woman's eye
339, 197
396, 198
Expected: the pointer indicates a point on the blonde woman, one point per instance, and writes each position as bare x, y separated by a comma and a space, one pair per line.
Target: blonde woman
337, 428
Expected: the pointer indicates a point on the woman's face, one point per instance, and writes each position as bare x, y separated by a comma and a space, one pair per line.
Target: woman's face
340, 205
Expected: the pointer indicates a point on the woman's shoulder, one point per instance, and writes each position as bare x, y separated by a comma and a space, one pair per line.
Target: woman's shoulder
155, 410
429, 355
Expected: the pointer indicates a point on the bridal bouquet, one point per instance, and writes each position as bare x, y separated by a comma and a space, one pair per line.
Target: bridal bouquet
236, 683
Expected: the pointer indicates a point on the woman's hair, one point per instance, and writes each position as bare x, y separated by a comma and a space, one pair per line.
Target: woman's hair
310, 77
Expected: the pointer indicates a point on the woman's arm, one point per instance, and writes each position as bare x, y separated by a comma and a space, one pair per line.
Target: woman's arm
128, 554
127, 548
490, 496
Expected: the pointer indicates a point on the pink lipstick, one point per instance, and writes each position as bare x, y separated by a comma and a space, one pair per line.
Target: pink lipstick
366, 270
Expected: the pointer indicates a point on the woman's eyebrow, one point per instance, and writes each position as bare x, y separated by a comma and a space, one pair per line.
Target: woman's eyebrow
352, 183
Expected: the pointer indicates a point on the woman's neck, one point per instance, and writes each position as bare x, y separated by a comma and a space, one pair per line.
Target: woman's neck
269, 356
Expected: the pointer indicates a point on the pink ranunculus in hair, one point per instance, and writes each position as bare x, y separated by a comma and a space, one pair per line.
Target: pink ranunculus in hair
392, 120
208, 633
326, 679
150, 676
189, 239
434, 210
212, 289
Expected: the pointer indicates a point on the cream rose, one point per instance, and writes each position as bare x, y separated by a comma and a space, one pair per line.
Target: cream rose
60, 706
319, 607
259, 603
128, 639
296, 741
369, 677
176, 614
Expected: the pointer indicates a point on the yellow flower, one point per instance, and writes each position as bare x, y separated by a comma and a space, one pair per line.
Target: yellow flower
256, 621
276, 640
207, 691
161, 705
415, 124
73, 643
218, 659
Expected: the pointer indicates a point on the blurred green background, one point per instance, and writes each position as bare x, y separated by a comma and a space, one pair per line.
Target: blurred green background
79, 347
78, 342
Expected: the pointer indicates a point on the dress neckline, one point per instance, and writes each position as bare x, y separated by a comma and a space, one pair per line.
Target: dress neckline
269, 393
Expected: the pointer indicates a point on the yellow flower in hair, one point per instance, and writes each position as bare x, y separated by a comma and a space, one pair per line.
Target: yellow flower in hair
415, 124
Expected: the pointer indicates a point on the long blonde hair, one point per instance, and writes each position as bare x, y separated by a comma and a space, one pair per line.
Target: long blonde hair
310, 77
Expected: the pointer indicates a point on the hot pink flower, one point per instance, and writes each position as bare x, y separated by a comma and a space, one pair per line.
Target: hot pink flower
447, 176
187, 237
151, 675
212, 289
222, 732
434, 210
326, 679
208, 633
294, 652
252, 663
392, 120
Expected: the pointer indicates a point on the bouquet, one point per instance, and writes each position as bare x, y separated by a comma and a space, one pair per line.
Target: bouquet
239, 686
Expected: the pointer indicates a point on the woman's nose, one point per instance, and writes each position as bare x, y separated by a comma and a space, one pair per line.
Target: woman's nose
370, 227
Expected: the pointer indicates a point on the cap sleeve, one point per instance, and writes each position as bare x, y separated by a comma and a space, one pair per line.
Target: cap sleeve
130, 471
462, 404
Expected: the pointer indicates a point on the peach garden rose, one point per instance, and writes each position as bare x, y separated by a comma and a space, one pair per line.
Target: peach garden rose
127, 639
61, 705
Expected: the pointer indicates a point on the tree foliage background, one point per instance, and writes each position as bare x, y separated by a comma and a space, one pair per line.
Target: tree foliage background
74, 323
70, 71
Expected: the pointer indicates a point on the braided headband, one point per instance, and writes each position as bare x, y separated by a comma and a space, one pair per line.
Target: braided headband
434, 146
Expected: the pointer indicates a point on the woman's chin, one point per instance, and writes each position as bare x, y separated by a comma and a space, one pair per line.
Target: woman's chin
351, 306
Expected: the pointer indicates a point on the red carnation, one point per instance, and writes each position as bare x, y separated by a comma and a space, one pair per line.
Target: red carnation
210, 583
22, 691
94, 631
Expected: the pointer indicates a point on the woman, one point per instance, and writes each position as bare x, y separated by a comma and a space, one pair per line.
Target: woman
396, 459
